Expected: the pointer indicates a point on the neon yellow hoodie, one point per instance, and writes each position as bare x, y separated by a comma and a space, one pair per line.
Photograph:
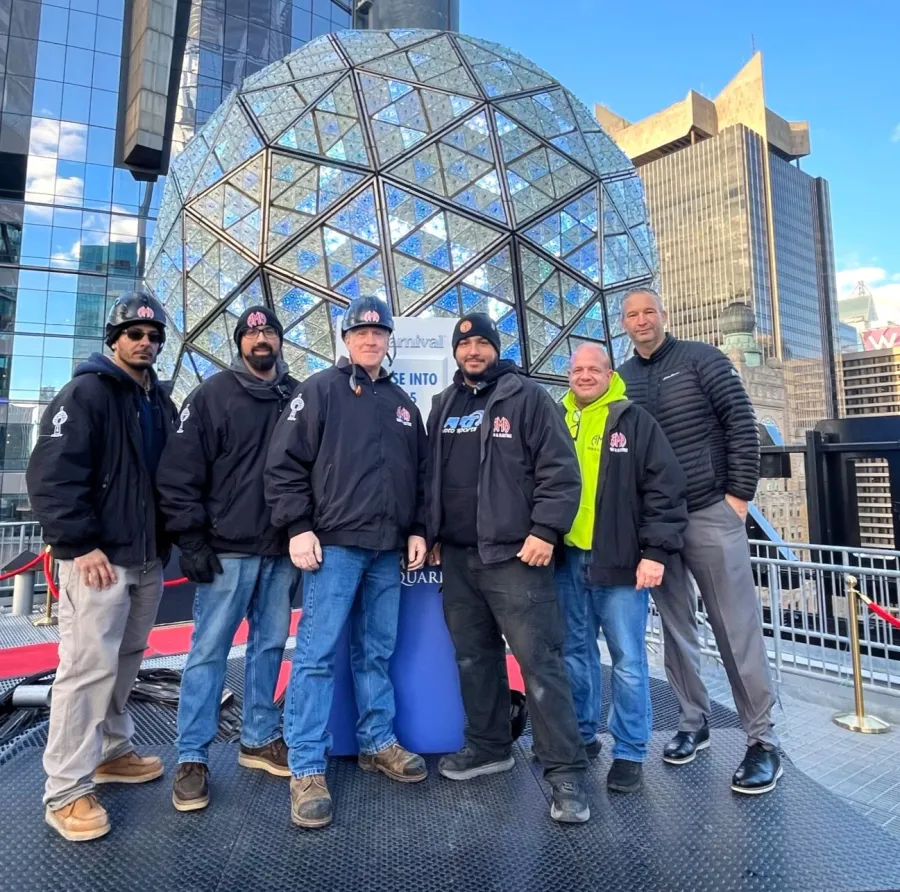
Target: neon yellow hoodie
587, 427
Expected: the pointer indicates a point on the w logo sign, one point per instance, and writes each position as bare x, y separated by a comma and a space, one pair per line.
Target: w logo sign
371, 316
145, 312
882, 338
256, 320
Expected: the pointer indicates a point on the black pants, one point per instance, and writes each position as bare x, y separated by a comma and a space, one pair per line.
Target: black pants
483, 602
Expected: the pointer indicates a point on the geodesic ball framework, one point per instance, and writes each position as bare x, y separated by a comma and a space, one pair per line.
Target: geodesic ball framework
444, 173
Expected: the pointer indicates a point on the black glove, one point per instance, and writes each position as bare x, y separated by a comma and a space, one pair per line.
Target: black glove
198, 561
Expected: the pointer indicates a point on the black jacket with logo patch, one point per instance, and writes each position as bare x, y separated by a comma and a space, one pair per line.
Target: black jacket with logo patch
696, 394
351, 468
87, 478
210, 478
640, 509
528, 480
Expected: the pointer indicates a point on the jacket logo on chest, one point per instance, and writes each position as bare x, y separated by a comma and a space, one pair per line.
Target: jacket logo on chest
618, 442
666, 378
297, 405
58, 420
502, 428
466, 425
185, 414
596, 440
403, 416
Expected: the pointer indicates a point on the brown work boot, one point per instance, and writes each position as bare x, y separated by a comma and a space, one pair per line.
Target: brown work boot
83, 819
310, 801
397, 763
129, 769
190, 791
273, 757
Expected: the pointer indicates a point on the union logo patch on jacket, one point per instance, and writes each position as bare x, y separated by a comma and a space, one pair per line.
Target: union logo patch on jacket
618, 442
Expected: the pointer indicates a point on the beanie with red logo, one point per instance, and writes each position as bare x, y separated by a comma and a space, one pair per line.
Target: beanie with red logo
257, 317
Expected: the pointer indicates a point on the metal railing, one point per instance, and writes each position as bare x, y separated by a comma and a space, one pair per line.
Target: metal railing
803, 597
16, 537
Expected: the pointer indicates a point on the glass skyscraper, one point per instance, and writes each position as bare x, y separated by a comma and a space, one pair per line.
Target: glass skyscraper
74, 228
736, 219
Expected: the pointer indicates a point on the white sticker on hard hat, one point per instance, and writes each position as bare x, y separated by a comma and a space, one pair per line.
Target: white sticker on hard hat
297, 405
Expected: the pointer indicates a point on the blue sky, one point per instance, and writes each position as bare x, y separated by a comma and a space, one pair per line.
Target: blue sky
835, 68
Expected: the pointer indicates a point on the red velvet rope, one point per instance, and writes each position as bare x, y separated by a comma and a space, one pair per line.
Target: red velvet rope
878, 610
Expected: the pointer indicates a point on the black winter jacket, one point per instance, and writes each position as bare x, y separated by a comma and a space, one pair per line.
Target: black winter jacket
210, 478
350, 468
640, 511
697, 396
87, 479
528, 481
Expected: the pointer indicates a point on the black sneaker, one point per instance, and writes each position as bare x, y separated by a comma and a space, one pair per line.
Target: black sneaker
592, 748
759, 772
467, 764
625, 776
570, 803
191, 788
685, 745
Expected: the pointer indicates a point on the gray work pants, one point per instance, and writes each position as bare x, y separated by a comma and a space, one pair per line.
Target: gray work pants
102, 639
718, 556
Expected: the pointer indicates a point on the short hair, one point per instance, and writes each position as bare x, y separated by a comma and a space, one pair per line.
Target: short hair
646, 289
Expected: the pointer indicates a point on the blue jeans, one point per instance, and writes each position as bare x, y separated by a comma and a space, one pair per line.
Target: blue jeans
621, 611
258, 588
364, 586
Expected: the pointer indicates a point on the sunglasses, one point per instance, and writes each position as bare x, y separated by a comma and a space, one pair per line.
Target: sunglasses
138, 334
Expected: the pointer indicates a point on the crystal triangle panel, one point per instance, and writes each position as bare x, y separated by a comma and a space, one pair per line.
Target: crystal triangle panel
189, 162
332, 129
434, 63
514, 140
541, 332
550, 291
186, 379
429, 244
486, 289
165, 274
361, 46
343, 255
622, 349
317, 57
291, 301
236, 142
546, 114
315, 332
500, 71
591, 325
276, 107
621, 258
167, 360
217, 339
214, 270
539, 179
234, 205
205, 367
402, 115
626, 197
169, 209
299, 190
460, 167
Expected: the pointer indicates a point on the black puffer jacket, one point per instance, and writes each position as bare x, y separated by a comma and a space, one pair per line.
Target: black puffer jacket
697, 396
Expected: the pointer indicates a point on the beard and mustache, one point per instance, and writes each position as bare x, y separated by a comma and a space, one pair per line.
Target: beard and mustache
261, 358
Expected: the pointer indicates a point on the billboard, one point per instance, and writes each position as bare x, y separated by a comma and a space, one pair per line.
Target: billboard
881, 338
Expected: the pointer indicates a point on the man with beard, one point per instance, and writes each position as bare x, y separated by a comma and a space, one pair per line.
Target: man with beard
346, 477
90, 480
503, 489
211, 491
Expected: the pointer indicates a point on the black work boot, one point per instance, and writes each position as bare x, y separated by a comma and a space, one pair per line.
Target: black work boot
760, 770
570, 803
467, 764
191, 788
685, 745
625, 776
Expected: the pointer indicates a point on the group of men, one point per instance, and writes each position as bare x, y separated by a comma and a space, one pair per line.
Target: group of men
550, 523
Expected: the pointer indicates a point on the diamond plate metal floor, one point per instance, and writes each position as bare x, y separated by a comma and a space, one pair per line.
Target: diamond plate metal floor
684, 831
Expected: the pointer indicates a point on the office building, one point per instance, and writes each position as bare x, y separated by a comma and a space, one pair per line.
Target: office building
736, 219
443, 173
872, 387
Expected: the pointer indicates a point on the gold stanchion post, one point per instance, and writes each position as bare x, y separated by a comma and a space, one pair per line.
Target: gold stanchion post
48, 619
858, 720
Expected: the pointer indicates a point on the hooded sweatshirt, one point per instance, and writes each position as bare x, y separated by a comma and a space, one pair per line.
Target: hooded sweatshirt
587, 426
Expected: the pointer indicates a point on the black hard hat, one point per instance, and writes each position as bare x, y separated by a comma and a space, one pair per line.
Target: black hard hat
131, 308
366, 311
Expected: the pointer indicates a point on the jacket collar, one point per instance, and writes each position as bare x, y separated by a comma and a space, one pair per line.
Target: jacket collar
662, 350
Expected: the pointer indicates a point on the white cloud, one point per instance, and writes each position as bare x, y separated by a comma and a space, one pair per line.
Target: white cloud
895, 134
885, 288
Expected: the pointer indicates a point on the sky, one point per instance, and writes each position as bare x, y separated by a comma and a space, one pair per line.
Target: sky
823, 63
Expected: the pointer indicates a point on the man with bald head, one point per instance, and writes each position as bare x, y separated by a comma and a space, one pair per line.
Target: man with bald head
630, 522
696, 395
